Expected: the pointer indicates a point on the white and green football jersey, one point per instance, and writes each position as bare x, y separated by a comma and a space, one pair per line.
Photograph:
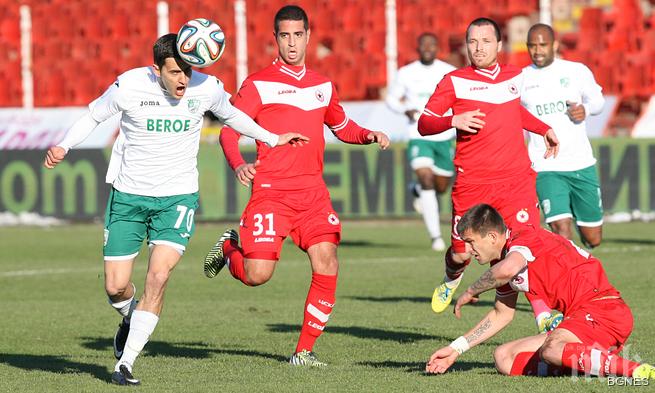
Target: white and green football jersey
545, 93
412, 89
156, 152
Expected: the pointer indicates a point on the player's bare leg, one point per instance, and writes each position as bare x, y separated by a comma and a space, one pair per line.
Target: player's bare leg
563, 227
145, 317
505, 356
258, 271
591, 236
121, 293
320, 301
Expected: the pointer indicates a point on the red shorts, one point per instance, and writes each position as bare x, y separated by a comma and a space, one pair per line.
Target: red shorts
272, 215
516, 200
604, 324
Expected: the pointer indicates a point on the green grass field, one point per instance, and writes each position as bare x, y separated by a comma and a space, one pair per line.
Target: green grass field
221, 336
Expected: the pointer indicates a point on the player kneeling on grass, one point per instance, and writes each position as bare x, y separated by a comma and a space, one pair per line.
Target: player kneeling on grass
154, 181
597, 322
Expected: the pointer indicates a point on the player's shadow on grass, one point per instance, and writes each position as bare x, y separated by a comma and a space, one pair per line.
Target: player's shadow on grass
193, 350
365, 243
53, 364
419, 367
362, 332
628, 241
420, 299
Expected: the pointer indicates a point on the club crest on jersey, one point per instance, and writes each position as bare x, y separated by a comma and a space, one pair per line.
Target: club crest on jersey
564, 82
193, 105
319, 95
522, 216
512, 89
333, 219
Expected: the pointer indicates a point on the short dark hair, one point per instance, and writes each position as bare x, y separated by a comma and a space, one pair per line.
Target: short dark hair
481, 22
290, 12
425, 35
481, 219
542, 26
164, 48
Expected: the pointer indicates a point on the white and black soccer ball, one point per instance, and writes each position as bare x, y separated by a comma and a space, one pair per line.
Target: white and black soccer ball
200, 42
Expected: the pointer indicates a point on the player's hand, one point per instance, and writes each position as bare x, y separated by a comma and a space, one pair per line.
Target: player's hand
54, 156
380, 138
552, 144
245, 173
441, 360
464, 299
412, 115
470, 121
575, 111
292, 138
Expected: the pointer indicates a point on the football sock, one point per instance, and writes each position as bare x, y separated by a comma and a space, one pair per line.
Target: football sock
592, 361
539, 307
430, 208
319, 304
125, 307
233, 255
529, 363
142, 325
454, 270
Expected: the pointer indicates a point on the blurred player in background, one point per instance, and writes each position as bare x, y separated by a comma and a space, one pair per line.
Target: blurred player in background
491, 159
563, 93
546, 266
289, 196
155, 182
431, 156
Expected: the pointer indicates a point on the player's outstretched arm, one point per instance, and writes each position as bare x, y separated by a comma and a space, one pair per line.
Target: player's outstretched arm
78, 132
492, 323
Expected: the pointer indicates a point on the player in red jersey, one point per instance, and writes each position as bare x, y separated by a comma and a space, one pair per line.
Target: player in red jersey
543, 265
289, 196
491, 160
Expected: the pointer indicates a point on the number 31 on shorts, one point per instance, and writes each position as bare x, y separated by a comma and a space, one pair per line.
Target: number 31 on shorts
263, 224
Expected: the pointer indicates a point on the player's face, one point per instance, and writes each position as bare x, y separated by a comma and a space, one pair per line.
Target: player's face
541, 48
174, 79
427, 50
482, 46
292, 39
483, 248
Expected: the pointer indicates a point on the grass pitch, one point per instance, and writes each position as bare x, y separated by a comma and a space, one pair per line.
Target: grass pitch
219, 335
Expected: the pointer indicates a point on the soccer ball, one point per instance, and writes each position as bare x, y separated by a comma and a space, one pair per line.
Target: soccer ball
200, 42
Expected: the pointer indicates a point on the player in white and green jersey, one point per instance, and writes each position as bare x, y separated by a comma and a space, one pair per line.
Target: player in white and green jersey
562, 94
154, 176
429, 156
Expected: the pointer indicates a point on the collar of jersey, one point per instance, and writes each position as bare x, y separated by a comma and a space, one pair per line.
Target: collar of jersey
296, 72
490, 72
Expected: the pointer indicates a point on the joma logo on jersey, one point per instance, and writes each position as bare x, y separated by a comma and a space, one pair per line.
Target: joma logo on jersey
149, 103
288, 91
166, 125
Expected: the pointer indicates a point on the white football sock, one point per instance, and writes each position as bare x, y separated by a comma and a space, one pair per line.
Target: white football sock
142, 325
430, 207
125, 307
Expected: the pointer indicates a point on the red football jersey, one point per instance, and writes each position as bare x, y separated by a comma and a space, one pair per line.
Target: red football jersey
284, 98
497, 151
558, 272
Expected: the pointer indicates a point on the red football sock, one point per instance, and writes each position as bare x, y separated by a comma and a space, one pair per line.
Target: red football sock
234, 255
454, 270
529, 363
592, 361
319, 304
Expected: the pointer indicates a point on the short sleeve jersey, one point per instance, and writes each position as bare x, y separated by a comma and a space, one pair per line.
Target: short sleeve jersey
559, 272
159, 134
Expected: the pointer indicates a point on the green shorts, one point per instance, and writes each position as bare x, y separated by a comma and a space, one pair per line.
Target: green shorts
131, 218
574, 194
437, 156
